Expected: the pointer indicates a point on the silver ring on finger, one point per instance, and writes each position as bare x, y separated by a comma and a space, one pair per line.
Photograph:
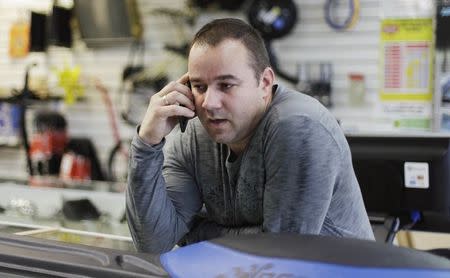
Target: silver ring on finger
166, 102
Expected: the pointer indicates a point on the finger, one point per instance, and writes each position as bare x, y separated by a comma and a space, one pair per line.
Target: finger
185, 90
167, 89
178, 98
174, 111
178, 87
184, 78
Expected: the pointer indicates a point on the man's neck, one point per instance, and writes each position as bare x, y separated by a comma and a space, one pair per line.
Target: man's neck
238, 149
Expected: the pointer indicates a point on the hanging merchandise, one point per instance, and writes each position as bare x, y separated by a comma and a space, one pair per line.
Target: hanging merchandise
120, 152
443, 24
47, 144
19, 39
60, 33
202, 4
274, 19
69, 80
357, 89
80, 162
38, 32
442, 30
9, 123
332, 10
407, 51
135, 60
138, 93
137, 85
314, 79
444, 86
443, 76
228, 5
131, 100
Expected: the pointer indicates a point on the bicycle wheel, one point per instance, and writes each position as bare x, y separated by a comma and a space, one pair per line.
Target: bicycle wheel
118, 162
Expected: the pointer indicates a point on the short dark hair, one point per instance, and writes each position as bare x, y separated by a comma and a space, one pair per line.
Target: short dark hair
216, 31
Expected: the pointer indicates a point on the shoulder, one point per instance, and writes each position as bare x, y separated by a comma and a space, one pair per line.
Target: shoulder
288, 104
294, 116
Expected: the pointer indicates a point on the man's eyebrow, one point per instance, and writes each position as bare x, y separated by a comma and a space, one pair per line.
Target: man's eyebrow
217, 78
227, 77
193, 79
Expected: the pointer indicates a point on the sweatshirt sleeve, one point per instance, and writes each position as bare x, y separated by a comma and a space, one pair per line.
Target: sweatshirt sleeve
159, 206
303, 164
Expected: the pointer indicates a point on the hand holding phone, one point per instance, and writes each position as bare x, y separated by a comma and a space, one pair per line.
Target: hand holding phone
163, 109
182, 121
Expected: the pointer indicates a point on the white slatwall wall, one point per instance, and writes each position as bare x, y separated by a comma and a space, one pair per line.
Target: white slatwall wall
312, 40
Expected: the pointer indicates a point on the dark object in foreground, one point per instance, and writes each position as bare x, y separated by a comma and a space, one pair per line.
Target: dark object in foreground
262, 255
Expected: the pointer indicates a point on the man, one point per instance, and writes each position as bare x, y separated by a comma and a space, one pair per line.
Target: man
258, 158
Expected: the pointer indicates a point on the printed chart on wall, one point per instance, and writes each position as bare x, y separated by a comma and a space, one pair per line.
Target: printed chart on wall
407, 72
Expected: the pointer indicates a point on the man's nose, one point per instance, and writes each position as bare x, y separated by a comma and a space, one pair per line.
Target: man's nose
212, 100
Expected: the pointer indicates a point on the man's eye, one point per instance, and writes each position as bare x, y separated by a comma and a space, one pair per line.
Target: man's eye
225, 86
199, 88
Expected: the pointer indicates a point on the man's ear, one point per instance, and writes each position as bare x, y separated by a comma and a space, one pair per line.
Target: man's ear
267, 79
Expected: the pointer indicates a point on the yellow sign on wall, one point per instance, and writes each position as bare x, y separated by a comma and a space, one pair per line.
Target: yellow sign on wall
406, 89
407, 59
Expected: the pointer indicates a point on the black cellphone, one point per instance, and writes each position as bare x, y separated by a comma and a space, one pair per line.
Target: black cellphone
182, 121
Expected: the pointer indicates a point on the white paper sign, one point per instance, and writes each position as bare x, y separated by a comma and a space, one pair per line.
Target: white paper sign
417, 175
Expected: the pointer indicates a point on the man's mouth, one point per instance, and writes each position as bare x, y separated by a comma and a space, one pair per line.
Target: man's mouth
216, 122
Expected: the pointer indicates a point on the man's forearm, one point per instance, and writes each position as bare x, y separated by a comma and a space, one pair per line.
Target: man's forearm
154, 222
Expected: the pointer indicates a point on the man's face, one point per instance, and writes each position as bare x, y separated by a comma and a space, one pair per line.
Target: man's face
229, 100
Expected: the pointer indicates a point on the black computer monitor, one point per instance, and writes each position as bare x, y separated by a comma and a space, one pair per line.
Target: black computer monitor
399, 174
